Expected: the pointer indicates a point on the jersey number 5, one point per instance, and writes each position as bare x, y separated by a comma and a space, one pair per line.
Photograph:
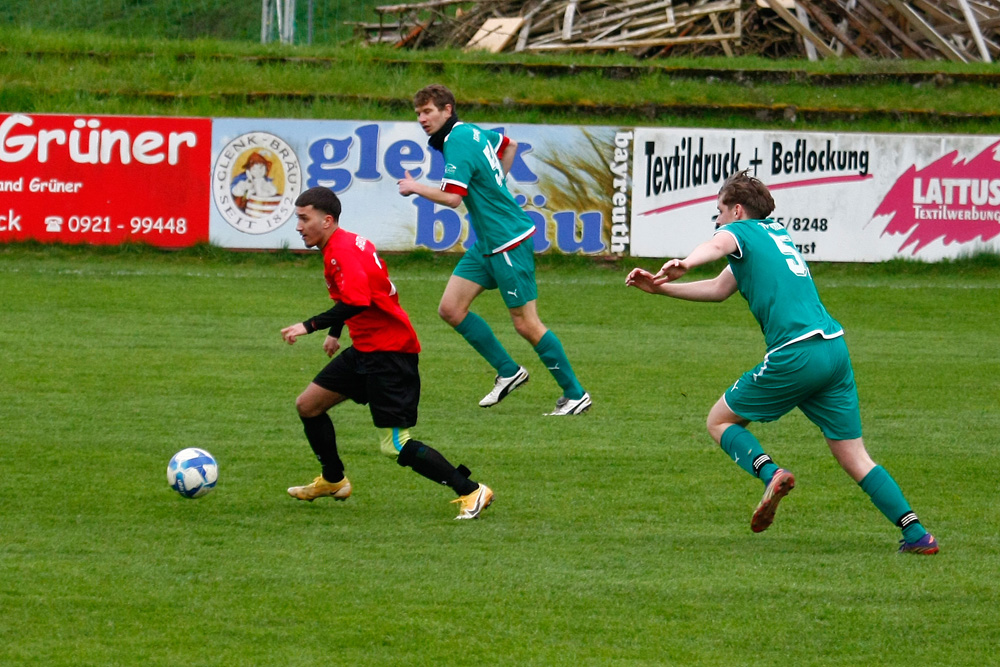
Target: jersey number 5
796, 264
494, 161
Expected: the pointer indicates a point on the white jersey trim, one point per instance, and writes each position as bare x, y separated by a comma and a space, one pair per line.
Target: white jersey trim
447, 136
452, 181
815, 332
739, 249
512, 242
767, 355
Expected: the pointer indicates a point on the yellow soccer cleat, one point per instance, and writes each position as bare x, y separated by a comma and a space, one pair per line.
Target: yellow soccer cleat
474, 503
320, 487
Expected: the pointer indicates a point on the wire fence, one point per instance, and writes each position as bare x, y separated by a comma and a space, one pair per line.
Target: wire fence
322, 22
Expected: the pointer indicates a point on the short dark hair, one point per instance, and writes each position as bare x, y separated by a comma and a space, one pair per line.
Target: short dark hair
742, 188
321, 199
437, 94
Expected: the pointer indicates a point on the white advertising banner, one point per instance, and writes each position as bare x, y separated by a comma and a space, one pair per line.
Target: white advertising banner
566, 178
843, 197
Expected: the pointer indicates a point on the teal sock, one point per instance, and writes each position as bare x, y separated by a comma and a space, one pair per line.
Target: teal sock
551, 352
888, 498
479, 335
745, 450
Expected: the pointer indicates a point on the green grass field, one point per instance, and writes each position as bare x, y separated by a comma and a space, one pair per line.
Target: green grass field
620, 537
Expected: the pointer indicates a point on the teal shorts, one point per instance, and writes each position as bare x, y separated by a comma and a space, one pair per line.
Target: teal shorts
512, 272
814, 375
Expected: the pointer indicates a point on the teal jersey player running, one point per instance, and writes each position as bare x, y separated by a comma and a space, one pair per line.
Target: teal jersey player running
807, 364
474, 168
766, 263
502, 258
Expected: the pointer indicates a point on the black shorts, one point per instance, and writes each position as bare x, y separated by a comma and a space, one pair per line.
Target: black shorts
387, 382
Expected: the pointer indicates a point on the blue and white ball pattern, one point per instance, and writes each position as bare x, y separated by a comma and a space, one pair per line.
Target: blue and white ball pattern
192, 472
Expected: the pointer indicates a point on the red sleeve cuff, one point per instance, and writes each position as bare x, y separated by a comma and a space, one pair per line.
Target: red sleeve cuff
457, 189
505, 141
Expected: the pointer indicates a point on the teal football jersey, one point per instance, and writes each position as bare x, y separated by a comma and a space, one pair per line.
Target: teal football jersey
471, 163
775, 281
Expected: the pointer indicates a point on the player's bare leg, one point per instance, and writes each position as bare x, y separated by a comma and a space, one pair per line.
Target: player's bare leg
729, 430
852, 457
454, 309
315, 400
527, 323
885, 494
458, 296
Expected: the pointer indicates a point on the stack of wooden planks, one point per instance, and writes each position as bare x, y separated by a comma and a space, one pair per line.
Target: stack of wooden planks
958, 30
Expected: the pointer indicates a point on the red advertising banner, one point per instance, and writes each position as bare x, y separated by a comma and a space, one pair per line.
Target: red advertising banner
105, 179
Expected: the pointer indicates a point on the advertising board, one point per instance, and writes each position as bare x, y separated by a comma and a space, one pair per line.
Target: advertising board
649, 192
104, 180
843, 197
561, 175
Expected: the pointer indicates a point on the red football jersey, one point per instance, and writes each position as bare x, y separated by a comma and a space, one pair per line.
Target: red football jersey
356, 275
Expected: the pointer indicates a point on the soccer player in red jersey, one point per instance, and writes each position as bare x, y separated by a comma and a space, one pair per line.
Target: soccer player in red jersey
379, 369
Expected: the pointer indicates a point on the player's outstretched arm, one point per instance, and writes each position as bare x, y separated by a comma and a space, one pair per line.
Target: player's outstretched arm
290, 333
719, 288
671, 270
643, 280
717, 247
408, 186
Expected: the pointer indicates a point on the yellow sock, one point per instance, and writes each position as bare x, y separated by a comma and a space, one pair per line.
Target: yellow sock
391, 440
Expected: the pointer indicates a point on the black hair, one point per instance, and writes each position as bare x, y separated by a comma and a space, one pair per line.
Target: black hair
321, 199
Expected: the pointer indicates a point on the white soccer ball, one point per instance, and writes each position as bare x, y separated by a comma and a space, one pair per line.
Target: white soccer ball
192, 472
